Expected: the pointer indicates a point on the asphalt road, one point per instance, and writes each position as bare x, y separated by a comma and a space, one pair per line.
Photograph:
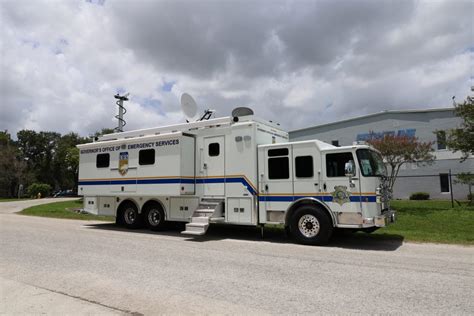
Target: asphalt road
89, 267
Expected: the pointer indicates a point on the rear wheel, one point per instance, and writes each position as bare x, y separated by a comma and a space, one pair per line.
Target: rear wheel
310, 225
129, 216
154, 217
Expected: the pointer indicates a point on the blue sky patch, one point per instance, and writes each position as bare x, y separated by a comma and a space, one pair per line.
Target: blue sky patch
167, 86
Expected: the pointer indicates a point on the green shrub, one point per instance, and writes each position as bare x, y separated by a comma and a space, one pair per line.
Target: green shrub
420, 196
35, 188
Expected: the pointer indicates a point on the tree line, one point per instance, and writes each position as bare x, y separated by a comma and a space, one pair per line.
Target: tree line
40, 157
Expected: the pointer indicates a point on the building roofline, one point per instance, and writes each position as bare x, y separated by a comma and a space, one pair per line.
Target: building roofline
376, 114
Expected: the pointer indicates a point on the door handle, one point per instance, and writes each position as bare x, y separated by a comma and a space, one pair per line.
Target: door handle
266, 187
204, 166
324, 186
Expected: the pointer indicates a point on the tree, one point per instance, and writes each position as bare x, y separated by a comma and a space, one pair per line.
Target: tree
12, 167
72, 164
65, 174
462, 139
39, 150
468, 179
399, 150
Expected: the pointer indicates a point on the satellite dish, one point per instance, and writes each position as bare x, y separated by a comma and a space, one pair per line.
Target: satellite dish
189, 107
242, 111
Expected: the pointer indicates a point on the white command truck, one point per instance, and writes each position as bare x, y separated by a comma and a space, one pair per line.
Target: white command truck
235, 170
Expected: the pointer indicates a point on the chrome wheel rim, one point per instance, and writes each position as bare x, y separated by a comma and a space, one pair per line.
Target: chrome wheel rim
154, 217
130, 216
308, 225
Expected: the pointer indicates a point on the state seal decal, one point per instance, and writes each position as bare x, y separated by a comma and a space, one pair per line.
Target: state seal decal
340, 194
123, 163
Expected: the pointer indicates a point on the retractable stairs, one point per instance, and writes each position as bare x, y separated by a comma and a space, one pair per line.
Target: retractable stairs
208, 211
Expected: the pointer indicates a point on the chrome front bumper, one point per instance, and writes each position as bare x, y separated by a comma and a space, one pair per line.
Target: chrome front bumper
388, 217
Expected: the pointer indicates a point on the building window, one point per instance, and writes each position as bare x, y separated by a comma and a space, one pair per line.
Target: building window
102, 160
441, 139
304, 167
335, 164
146, 157
444, 182
214, 149
335, 143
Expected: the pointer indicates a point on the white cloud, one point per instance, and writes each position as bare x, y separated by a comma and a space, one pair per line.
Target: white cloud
299, 63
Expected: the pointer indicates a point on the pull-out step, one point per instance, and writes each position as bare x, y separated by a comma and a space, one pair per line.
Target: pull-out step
207, 211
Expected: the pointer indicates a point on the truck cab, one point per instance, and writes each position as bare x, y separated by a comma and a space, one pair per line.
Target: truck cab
313, 187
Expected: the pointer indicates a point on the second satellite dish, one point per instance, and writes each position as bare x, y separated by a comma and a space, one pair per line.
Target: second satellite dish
189, 107
242, 111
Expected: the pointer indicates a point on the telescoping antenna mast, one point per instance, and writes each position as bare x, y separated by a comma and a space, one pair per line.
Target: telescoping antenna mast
122, 111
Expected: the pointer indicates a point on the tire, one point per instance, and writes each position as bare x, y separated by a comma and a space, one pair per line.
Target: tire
154, 217
129, 216
310, 225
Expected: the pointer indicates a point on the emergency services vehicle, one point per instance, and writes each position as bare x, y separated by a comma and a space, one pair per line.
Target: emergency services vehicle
238, 170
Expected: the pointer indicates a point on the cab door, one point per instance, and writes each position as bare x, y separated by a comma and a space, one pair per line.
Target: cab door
341, 192
277, 178
306, 170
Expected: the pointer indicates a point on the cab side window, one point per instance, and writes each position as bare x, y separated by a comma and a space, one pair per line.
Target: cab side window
335, 164
304, 167
278, 164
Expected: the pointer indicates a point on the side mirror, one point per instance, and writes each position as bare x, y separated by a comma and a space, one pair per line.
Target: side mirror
349, 168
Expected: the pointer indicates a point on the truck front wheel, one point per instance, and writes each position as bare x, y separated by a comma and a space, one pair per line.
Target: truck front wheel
310, 225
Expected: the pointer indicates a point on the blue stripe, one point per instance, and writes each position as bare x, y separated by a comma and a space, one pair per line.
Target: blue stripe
210, 180
268, 198
172, 181
324, 198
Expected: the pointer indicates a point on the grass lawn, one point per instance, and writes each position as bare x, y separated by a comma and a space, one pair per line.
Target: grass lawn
63, 210
431, 221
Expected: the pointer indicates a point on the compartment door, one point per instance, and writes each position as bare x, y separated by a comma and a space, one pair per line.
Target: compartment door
213, 166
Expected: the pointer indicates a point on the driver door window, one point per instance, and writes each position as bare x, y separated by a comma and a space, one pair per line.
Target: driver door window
335, 164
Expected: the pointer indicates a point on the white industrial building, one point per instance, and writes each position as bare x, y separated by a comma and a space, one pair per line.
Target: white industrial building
428, 125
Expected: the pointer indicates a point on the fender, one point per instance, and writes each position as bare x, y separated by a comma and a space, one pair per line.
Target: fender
128, 200
308, 201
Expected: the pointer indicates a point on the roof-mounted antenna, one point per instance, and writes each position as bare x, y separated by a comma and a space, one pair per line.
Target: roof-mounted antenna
122, 111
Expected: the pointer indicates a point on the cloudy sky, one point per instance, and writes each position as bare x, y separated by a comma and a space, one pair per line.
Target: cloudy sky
300, 63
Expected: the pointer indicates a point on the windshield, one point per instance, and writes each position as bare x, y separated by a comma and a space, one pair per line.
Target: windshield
371, 163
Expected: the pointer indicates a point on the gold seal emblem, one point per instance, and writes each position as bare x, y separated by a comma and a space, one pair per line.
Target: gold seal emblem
123, 163
340, 194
